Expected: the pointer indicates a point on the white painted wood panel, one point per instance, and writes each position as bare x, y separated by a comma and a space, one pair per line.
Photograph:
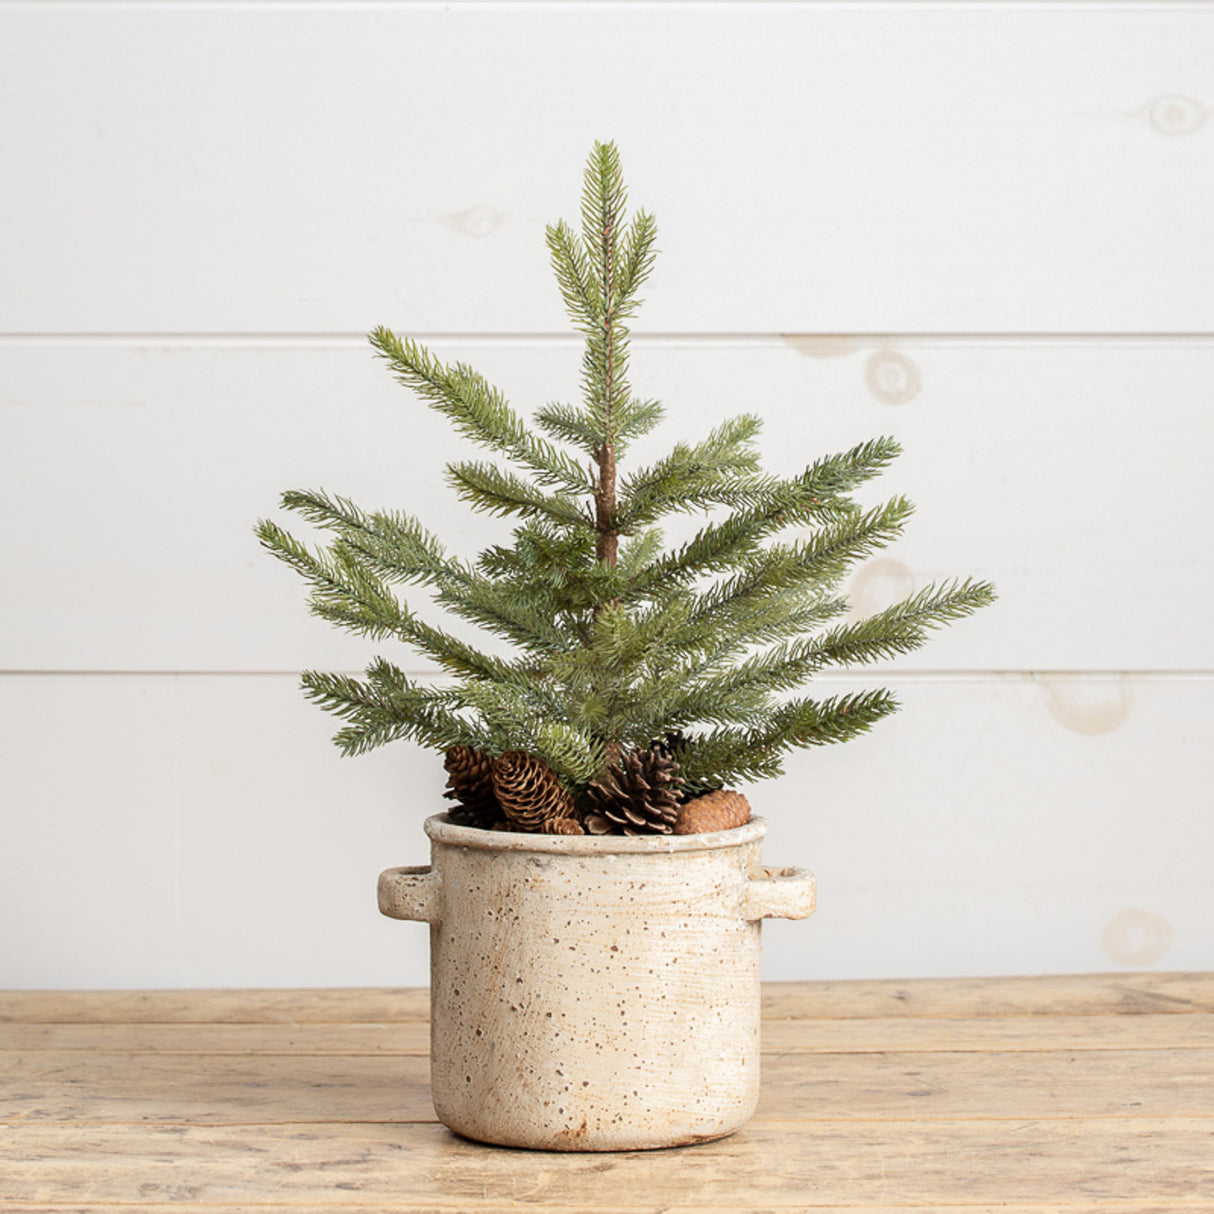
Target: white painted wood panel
170, 831
1072, 473
90, 844
996, 825
814, 167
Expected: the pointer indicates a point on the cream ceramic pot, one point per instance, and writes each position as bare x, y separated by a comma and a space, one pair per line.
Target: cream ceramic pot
594, 993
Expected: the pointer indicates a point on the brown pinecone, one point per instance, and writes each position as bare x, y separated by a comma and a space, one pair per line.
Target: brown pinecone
720, 810
528, 791
562, 826
640, 795
470, 785
672, 745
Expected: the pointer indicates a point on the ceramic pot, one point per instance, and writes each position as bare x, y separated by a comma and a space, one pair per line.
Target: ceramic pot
594, 993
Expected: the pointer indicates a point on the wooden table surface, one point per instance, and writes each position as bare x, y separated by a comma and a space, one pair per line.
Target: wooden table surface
1077, 1094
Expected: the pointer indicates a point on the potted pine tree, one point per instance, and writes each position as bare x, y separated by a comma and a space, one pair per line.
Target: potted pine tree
595, 889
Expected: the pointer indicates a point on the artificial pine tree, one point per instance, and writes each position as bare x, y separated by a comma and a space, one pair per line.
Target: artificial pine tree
618, 638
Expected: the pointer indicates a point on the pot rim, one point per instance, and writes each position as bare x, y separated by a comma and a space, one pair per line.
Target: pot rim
442, 830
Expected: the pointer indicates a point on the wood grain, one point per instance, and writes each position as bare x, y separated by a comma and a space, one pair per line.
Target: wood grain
274, 1088
922, 998
967, 998
987, 1034
804, 1205
326, 1005
772, 1163
314, 1099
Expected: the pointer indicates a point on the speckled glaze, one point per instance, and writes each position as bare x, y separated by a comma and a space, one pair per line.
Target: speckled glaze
594, 993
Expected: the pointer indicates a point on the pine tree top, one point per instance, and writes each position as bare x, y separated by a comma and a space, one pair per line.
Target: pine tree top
616, 637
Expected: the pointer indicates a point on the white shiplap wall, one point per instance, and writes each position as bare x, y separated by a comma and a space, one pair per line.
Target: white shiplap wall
985, 228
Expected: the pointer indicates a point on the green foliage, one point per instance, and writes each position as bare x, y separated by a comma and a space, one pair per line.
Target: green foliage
616, 638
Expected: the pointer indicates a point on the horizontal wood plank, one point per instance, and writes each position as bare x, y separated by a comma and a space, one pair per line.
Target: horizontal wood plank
852, 1163
326, 1005
806, 1204
813, 1036
1156, 993
1044, 995
268, 1088
213, 434
940, 167
928, 835
990, 1035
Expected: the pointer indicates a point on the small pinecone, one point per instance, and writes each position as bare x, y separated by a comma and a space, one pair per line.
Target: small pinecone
528, 791
640, 795
470, 784
672, 745
562, 826
720, 810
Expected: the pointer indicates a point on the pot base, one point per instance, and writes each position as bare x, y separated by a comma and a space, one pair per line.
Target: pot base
577, 1141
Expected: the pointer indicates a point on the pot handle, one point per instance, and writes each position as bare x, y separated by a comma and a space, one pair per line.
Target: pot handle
409, 893
780, 893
